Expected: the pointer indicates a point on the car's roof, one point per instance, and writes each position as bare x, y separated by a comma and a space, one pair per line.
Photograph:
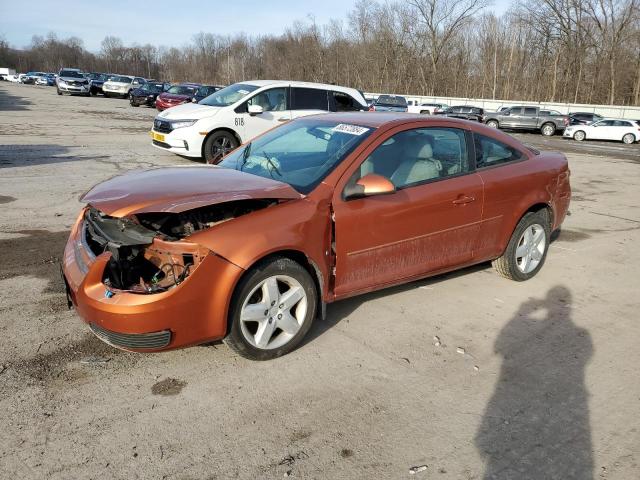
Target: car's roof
293, 83
619, 119
378, 119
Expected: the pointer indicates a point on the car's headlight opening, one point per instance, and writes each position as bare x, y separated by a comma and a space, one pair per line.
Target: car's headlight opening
182, 123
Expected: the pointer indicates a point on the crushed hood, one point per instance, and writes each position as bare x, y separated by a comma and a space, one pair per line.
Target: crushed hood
178, 189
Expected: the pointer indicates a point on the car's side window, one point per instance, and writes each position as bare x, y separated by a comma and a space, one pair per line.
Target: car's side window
274, 100
490, 151
309, 99
342, 102
621, 123
416, 156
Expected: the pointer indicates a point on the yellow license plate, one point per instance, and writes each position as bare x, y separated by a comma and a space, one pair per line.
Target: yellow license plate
157, 136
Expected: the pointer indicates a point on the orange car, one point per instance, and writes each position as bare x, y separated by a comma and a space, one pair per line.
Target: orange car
317, 210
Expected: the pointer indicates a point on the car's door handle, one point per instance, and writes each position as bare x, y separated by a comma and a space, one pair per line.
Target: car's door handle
463, 199
283, 119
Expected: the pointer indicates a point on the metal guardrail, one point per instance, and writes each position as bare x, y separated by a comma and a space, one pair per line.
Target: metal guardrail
615, 111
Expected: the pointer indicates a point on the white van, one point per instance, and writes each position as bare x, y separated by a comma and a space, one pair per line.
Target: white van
220, 122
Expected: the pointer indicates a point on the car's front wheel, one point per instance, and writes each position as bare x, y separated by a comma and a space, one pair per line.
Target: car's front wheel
629, 138
218, 145
492, 124
527, 249
132, 101
272, 309
579, 135
58, 90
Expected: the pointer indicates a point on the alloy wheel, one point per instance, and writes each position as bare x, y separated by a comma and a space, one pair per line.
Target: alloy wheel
530, 249
273, 312
221, 146
548, 130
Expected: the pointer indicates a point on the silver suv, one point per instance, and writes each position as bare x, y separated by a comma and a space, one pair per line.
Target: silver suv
71, 81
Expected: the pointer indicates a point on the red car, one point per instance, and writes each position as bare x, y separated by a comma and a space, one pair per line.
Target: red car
177, 95
319, 209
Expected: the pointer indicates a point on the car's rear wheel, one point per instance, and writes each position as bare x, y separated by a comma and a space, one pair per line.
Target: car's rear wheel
272, 309
579, 136
218, 145
527, 249
629, 138
492, 124
548, 129
132, 101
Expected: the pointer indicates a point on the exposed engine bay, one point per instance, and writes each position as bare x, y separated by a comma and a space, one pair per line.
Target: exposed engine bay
149, 252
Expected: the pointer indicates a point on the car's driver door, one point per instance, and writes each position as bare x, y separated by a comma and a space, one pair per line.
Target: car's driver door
430, 223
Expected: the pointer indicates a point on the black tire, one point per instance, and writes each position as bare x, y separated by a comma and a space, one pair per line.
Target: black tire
548, 129
493, 124
58, 90
217, 145
132, 102
579, 136
106, 95
507, 264
629, 138
236, 339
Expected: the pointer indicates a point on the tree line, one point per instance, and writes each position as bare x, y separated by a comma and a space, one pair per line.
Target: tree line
575, 51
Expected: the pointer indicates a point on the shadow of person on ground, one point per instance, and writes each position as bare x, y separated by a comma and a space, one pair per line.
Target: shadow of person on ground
536, 425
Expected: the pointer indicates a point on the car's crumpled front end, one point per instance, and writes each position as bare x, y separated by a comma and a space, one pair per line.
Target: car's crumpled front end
140, 291
130, 268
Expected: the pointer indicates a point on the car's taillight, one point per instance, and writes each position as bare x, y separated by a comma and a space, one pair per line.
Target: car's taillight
566, 121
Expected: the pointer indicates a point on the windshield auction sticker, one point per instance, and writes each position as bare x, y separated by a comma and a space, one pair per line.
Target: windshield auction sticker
350, 129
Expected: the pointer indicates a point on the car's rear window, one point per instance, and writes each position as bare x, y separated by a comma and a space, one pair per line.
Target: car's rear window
391, 101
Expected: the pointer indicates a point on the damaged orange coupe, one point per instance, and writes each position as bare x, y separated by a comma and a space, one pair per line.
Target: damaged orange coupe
317, 210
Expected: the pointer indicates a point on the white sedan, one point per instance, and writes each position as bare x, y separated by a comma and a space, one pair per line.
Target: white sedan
627, 131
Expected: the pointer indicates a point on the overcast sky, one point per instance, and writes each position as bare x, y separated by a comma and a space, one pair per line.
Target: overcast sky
161, 22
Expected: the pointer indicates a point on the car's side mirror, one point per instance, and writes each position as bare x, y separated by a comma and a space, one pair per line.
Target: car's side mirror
368, 186
255, 109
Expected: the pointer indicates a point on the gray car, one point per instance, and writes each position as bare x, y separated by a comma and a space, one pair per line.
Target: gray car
528, 118
71, 81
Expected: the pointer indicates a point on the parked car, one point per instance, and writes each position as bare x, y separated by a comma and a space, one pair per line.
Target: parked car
583, 118
389, 103
121, 85
619, 129
48, 80
428, 108
466, 112
71, 81
13, 78
177, 95
527, 118
96, 80
162, 267
222, 121
147, 93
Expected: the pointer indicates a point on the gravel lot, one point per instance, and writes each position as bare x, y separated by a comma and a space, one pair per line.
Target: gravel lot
468, 374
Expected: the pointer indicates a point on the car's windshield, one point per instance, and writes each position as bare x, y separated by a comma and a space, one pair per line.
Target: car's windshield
182, 90
205, 91
391, 101
70, 74
300, 153
229, 95
117, 78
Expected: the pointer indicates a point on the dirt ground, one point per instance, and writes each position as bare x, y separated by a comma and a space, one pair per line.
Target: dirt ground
462, 376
